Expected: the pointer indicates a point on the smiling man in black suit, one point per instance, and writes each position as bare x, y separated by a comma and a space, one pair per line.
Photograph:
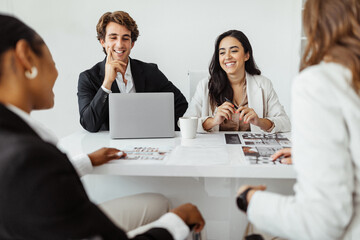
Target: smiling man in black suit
117, 33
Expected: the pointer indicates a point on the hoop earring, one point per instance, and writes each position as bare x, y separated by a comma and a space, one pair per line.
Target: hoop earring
32, 74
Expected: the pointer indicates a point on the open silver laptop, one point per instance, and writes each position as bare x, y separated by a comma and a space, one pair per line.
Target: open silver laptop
141, 115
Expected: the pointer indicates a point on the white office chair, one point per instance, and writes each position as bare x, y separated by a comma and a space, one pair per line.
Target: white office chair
194, 78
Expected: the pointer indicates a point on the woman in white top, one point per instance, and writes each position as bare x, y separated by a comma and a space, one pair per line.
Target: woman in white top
236, 97
326, 134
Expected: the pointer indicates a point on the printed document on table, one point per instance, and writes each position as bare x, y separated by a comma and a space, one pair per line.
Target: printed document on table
258, 147
144, 154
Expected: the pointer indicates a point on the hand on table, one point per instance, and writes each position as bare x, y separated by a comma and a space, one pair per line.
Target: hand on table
103, 155
190, 214
286, 153
112, 67
224, 111
248, 115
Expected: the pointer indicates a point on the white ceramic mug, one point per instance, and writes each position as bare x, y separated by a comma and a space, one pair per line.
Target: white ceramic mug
188, 127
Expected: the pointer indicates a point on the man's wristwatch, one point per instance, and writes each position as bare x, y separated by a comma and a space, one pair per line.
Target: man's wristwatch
241, 200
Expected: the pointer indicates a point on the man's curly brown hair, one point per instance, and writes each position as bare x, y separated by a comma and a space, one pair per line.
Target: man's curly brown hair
119, 17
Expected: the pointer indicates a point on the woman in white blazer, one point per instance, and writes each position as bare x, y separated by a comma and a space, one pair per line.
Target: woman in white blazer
326, 134
236, 97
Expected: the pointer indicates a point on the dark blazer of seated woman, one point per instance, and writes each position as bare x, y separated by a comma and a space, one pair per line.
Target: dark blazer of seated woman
41, 194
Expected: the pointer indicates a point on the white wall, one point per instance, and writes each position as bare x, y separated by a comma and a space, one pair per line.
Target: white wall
177, 35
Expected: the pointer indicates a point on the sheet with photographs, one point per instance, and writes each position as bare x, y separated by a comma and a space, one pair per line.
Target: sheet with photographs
258, 147
146, 153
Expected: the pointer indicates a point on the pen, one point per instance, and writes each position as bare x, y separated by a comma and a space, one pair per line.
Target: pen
228, 100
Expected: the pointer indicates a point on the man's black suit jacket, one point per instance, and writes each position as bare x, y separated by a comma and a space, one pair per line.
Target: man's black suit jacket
94, 103
41, 195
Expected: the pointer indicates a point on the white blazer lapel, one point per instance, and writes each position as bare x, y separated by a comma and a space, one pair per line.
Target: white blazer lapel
255, 95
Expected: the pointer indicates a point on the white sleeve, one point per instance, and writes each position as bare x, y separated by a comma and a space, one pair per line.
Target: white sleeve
105, 89
323, 204
82, 164
199, 105
170, 221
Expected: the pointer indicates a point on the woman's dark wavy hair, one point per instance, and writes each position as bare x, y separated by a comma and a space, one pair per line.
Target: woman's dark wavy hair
11, 31
219, 85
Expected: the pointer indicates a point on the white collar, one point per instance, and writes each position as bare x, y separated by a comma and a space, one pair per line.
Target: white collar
127, 72
44, 133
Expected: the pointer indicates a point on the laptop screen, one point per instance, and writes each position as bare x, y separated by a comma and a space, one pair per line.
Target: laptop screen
141, 115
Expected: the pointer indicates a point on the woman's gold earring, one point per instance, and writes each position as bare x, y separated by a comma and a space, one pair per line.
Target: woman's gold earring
32, 74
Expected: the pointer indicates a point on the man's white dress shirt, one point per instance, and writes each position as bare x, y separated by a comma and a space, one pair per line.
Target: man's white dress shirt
124, 88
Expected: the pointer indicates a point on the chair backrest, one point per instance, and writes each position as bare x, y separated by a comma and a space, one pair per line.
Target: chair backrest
194, 78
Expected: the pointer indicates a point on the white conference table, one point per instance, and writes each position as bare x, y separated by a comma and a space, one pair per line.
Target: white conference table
205, 171
205, 156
